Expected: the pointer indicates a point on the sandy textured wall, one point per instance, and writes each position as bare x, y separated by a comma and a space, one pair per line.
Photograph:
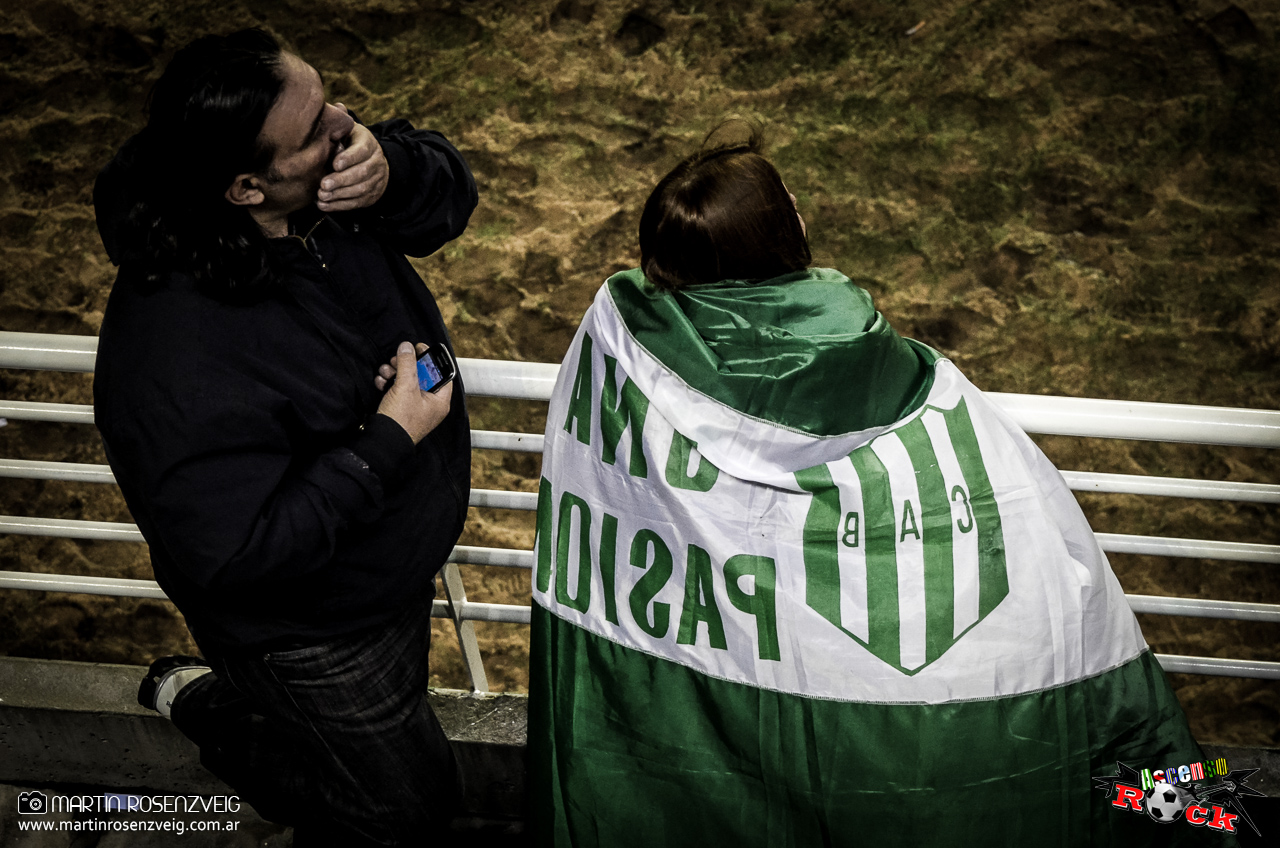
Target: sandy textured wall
1076, 198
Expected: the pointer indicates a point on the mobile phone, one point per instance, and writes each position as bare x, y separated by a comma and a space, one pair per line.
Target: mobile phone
435, 368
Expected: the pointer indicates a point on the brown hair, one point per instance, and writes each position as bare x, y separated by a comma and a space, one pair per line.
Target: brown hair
721, 214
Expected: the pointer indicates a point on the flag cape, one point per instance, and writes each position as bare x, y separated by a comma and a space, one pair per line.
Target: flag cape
798, 582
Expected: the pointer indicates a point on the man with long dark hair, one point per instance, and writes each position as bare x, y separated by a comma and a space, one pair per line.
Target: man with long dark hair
297, 498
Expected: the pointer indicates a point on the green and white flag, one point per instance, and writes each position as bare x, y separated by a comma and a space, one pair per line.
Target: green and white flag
798, 582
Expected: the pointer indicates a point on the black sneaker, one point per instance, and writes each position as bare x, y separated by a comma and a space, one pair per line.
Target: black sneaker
160, 671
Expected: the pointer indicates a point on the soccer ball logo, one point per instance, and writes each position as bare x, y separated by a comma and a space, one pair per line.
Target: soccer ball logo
1166, 802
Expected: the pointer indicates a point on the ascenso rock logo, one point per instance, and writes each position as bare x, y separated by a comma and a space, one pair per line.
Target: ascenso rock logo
1172, 794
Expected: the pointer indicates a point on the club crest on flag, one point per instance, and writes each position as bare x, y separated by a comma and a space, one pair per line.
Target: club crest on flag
904, 550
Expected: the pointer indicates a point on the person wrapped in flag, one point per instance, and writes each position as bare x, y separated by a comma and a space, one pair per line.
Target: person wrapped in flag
798, 582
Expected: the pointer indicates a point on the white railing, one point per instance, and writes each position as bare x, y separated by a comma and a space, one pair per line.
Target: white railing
534, 381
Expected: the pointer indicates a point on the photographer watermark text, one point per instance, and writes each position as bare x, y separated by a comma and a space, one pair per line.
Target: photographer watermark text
36, 803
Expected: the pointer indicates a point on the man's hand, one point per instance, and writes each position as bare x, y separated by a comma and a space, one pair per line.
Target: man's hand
418, 412
360, 174
387, 372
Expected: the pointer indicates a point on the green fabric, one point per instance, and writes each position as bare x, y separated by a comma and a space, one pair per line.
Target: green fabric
806, 350
630, 749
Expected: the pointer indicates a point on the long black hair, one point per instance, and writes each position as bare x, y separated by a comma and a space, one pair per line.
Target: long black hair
205, 117
721, 214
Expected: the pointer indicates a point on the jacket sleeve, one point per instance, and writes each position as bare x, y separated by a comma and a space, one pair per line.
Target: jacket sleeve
431, 194
229, 503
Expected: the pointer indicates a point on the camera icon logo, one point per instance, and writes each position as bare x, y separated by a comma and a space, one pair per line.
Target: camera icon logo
33, 803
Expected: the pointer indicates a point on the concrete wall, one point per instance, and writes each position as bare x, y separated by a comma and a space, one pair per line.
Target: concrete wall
79, 724
65, 724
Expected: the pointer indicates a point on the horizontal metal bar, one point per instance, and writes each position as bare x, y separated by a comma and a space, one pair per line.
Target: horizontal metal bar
1120, 543
1194, 607
505, 557
119, 587
48, 351
1199, 608
1259, 669
1161, 422
1173, 487
484, 377
505, 379
1077, 480
499, 499
62, 413
1095, 417
116, 586
79, 472
70, 528
473, 611
80, 413
495, 440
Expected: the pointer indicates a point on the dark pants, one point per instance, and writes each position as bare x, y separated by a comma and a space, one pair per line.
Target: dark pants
336, 738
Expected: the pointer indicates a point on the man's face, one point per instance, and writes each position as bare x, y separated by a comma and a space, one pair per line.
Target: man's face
306, 133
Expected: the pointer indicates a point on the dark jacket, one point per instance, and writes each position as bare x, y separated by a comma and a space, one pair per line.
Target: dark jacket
279, 508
